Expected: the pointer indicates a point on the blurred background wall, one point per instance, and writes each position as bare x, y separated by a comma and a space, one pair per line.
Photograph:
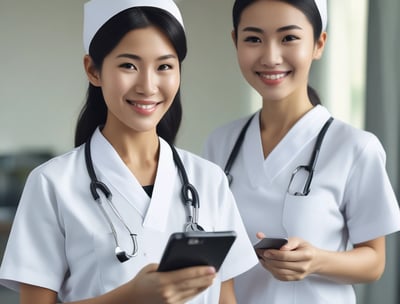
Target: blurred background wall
42, 87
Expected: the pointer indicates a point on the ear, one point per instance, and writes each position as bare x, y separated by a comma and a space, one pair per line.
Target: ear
320, 46
92, 72
234, 38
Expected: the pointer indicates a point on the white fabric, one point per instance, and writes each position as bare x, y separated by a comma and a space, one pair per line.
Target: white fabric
351, 199
98, 12
323, 11
61, 241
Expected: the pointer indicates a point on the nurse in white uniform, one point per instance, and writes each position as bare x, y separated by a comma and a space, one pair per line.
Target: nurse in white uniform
67, 242
339, 205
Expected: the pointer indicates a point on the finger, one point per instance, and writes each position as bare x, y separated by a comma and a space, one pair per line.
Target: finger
149, 268
191, 277
283, 273
260, 235
181, 292
292, 244
191, 273
286, 267
185, 296
295, 256
195, 283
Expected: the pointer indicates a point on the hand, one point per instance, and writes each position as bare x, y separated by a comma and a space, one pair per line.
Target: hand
173, 287
293, 262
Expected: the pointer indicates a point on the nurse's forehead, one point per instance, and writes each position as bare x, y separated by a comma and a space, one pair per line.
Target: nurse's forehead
145, 43
278, 30
272, 14
139, 58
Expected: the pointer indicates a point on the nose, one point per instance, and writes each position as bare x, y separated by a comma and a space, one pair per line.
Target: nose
146, 83
271, 56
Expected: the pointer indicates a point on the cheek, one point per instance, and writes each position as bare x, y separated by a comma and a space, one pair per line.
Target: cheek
245, 59
302, 60
171, 85
116, 85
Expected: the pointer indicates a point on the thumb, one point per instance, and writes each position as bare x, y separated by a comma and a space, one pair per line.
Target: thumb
292, 244
260, 235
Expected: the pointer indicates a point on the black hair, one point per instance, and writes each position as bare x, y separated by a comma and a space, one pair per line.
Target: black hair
309, 9
94, 111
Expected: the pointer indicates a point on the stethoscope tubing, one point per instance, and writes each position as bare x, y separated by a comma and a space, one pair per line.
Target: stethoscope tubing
189, 194
310, 167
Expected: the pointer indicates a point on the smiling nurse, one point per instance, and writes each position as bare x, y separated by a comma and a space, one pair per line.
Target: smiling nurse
70, 234
295, 172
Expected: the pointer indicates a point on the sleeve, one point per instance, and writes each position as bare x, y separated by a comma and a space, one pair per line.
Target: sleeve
35, 252
371, 207
241, 256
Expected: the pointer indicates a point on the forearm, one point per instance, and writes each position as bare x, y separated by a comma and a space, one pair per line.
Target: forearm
364, 263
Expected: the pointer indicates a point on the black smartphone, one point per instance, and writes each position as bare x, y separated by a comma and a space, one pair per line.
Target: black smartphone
186, 249
270, 243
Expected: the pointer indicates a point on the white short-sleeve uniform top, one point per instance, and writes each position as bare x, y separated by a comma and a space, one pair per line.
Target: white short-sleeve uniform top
351, 199
61, 241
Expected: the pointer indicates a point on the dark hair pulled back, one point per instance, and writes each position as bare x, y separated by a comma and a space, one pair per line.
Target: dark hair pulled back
94, 111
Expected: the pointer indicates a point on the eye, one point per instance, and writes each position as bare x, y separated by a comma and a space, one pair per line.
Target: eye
128, 66
252, 39
289, 38
165, 67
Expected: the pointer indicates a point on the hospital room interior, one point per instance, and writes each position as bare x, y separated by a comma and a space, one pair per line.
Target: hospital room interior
43, 87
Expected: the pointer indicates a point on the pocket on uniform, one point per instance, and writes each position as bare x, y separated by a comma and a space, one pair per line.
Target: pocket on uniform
315, 218
112, 272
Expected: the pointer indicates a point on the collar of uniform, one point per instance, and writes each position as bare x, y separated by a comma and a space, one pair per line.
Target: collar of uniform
163, 194
111, 170
305, 130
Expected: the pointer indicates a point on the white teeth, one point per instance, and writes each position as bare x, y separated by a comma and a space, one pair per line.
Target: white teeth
144, 106
273, 76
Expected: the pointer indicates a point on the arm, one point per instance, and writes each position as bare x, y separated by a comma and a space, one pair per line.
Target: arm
149, 286
227, 294
298, 259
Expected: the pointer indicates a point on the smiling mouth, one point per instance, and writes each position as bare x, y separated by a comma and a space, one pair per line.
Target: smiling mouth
273, 76
148, 106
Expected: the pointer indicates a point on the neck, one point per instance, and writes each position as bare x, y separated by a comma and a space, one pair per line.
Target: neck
277, 118
138, 150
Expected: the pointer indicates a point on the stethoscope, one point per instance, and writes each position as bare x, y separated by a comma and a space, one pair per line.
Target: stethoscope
309, 169
189, 193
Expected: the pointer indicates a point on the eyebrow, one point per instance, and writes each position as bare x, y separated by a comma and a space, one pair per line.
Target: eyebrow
279, 30
136, 57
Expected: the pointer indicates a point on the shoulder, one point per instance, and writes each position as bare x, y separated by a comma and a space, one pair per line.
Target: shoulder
68, 163
199, 165
357, 140
229, 131
220, 142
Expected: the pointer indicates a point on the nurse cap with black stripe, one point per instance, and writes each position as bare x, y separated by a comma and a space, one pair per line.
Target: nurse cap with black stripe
98, 12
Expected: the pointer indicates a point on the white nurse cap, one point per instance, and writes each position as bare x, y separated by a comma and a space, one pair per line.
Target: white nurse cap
323, 11
98, 12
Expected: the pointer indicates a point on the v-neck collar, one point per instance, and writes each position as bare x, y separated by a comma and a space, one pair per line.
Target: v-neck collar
112, 171
259, 169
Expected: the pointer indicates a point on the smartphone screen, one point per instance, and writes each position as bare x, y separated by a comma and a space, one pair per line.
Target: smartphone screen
186, 249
